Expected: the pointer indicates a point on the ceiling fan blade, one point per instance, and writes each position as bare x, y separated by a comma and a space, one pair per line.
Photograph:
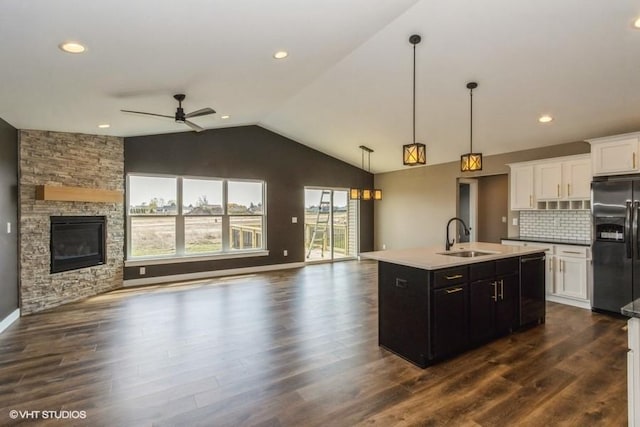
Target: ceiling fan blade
201, 112
193, 126
147, 114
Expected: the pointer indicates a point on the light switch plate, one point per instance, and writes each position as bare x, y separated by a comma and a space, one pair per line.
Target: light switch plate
514, 221
294, 220
8, 228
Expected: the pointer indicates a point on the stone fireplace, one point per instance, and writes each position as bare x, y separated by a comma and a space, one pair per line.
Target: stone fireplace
75, 160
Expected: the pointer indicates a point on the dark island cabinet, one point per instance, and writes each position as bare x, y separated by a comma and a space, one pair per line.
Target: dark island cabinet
450, 321
429, 315
494, 299
403, 319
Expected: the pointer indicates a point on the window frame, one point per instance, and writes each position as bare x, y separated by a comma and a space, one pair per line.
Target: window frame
181, 254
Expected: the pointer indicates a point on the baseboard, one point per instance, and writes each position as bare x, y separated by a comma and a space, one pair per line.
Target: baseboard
568, 301
7, 321
209, 274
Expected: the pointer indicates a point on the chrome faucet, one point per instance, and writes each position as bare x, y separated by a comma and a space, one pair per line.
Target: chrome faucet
448, 243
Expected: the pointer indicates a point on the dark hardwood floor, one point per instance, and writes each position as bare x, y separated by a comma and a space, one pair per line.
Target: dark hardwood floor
297, 348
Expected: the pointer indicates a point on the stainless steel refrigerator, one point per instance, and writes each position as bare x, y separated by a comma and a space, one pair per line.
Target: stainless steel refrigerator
616, 244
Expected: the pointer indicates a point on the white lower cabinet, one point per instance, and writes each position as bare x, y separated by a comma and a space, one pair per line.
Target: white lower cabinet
633, 371
571, 272
568, 274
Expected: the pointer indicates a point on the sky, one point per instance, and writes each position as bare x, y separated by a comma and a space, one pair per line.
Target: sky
142, 189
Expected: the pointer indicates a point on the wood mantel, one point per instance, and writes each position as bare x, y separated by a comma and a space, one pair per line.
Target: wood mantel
77, 194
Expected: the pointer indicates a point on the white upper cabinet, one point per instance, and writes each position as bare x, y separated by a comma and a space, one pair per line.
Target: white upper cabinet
548, 177
521, 181
558, 183
576, 179
615, 155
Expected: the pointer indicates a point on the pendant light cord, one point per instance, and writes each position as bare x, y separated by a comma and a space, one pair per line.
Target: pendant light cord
414, 93
471, 121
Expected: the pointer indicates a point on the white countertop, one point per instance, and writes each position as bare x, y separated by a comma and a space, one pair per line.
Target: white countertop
432, 258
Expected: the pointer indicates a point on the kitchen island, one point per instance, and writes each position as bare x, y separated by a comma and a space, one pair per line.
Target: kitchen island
434, 304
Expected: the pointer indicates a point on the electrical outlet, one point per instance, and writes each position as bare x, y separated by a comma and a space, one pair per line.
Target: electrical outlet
514, 221
8, 228
285, 252
143, 271
294, 220
504, 219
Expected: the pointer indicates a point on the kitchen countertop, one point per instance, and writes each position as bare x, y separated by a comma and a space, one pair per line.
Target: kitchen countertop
574, 242
632, 309
432, 258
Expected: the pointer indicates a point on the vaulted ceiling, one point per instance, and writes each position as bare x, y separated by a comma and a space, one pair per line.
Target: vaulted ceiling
347, 80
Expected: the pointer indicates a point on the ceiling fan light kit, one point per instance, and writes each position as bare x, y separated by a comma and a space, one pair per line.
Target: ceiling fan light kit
415, 153
471, 162
180, 116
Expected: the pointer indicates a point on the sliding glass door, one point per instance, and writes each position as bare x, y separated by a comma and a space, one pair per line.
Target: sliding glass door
330, 225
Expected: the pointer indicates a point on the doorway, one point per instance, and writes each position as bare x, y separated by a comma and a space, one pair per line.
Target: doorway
330, 225
483, 202
468, 208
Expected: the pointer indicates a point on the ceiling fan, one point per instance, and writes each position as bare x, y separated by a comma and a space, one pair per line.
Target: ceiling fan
180, 116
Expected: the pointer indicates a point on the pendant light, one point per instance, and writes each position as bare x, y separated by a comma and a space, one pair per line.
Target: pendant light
415, 153
365, 193
471, 161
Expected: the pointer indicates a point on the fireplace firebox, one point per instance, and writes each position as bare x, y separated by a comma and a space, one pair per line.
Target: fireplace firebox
77, 242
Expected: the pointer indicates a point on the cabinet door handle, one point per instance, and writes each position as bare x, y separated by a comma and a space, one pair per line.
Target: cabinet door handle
572, 252
495, 291
455, 276
401, 283
568, 189
560, 265
634, 159
558, 190
530, 201
453, 291
501, 289
550, 264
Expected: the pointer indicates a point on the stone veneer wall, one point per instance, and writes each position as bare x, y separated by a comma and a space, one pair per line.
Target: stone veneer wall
75, 160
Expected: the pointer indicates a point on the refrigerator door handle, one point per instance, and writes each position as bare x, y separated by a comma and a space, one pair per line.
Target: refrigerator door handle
627, 230
636, 213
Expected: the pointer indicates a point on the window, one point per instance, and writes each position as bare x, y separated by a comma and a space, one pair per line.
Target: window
202, 207
180, 216
153, 212
244, 205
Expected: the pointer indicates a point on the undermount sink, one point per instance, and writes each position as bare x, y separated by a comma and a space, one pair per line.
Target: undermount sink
467, 254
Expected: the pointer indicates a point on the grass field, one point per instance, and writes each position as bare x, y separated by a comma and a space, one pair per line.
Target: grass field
156, 236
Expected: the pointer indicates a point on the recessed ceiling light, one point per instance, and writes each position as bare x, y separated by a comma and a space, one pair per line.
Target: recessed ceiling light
545, 118
104, 126
281, 54
72, 47
636, 24
224, 117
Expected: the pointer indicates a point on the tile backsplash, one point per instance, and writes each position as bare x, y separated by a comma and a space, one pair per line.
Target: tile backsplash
556, 224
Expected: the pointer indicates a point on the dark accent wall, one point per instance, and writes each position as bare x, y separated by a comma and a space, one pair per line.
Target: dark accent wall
249, 152
493, 205
8, 213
